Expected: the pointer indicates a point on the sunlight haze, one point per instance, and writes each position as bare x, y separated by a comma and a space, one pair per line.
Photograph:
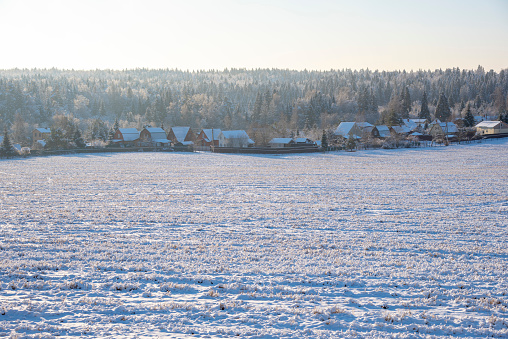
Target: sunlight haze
197, 34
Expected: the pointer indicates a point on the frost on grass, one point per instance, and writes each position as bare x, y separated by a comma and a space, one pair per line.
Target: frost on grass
405, 243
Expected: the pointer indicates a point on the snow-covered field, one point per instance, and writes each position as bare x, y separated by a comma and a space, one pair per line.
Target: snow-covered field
403, 243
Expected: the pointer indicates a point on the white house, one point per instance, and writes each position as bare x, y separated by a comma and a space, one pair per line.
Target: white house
491, 128
238, 138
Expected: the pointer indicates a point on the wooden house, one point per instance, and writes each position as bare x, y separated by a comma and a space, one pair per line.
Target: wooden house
381, 132
443, 130
181, 136
208, 137
153, 137
40, 134
346, 130
126, 137
305, 142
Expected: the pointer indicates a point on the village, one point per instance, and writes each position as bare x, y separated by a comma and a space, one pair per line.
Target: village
346, 136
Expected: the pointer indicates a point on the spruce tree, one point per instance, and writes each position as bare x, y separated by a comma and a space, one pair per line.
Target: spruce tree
424, 111
443, 111
469, 118
78, 139
6, 148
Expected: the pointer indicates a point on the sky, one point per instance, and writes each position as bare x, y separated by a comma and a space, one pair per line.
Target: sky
288, 34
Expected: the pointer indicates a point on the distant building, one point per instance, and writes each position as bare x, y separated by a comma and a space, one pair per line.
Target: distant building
181, 135
126, 136
281, 142
491, 128
153, 137
40, 134
208, 137
238, 138
381, 132
348, 129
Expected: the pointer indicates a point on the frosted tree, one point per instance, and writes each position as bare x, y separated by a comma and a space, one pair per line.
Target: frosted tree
469, 118
424, 110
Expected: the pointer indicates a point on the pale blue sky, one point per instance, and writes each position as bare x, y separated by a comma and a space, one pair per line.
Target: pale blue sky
299, 34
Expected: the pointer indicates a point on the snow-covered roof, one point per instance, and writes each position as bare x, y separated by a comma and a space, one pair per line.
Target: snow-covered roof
416, 134
181, 132
43, 130
156, 133
17, 147
364, 124
188, 143
42, 142
344, 128
129, 134
238, 134
449, 127
304, 141
488, 124
208, 134
281, 141
401, 129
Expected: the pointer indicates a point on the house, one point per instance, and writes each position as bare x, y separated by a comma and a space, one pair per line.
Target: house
238, 138
40, 134
414, 125
443, 129
348, 129
381, 132
125, 136
153, 136
491, 128
366, 129
181, 135
305, 142
281, 142
208, 137
400, 130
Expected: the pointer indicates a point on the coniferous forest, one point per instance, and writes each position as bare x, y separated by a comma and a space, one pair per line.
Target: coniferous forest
286, 101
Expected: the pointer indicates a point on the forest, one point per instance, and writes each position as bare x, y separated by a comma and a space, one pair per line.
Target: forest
285, 102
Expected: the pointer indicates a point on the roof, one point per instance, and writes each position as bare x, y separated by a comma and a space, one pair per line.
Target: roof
364, 124
157, 134
401, 129
344, 128
281, 141
129, 134
208, 134
181, 132
304, 141
43, 130
383, 130
488, 124
449, 127
235, 134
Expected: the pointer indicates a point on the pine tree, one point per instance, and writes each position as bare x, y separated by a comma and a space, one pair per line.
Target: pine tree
117, 125
6, 148
78, 139
469, 118
424, 111
443, 111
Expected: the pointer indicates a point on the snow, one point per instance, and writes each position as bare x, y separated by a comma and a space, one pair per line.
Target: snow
380, 243
180, 133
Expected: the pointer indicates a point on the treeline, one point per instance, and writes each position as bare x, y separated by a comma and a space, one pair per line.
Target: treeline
283, 100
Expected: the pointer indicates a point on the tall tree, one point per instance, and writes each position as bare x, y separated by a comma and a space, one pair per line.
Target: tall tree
443, 111
406, 103
469, 118
6, 148
424, 110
